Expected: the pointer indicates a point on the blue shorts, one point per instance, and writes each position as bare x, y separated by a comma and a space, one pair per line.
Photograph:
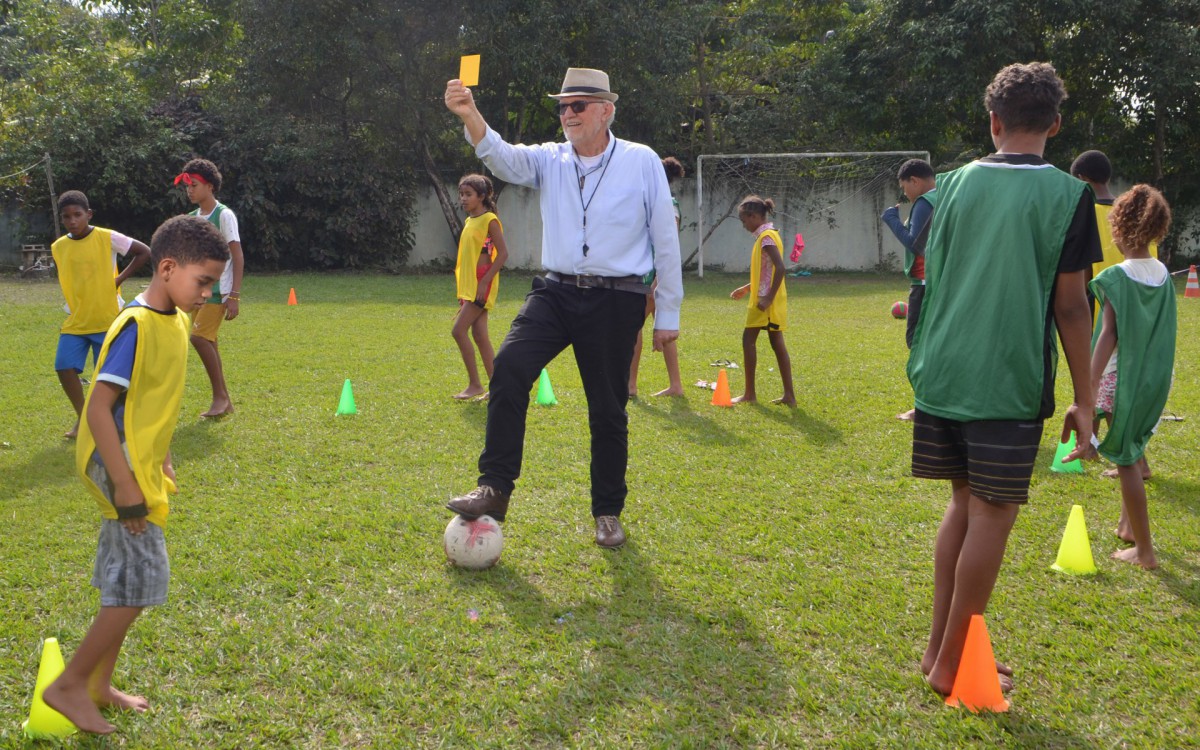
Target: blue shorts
73, 350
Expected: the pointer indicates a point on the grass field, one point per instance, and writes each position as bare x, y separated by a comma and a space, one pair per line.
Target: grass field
775, 590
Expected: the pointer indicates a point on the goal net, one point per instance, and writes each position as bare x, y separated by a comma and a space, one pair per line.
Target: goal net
832, 199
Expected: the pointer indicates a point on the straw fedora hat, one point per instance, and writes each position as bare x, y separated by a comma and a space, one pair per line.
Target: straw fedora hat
585, 82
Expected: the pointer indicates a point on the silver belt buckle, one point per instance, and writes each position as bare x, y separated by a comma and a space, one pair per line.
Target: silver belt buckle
588, 281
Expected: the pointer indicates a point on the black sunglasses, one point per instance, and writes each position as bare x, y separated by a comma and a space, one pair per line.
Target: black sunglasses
577, 107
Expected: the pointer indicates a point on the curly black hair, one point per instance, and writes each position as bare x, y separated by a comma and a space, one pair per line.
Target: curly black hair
1092, 166
73, 198
914, 168
1026, 96
187, 239
207, 170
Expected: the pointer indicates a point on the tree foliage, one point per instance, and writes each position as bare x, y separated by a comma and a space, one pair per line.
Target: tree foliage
326, 117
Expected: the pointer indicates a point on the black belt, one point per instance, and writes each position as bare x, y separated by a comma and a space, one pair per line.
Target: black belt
591, 281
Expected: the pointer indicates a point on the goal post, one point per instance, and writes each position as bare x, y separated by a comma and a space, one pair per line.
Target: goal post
833, 198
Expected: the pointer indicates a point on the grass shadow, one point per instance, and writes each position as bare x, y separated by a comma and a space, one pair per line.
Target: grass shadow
644, 656
196, 440
1186, 587
818, 431
53, 465
680, 415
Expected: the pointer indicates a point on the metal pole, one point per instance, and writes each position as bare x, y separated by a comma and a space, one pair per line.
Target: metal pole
53, 200
700, 214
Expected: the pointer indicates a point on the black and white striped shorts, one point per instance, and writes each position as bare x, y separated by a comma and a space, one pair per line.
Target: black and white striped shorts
996, 457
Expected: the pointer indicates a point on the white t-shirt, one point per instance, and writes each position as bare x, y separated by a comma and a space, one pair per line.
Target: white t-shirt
229, 233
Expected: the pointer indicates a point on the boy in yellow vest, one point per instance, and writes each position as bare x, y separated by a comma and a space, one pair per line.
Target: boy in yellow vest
124, 458
86, 257
202, 180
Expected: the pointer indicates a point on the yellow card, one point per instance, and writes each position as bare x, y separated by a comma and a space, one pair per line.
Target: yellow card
468, 70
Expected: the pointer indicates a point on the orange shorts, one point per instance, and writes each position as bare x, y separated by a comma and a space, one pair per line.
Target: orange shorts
207, 321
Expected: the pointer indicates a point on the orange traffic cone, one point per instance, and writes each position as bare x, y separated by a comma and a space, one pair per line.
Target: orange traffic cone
721, 395
292, 296
1193, 284
977, 684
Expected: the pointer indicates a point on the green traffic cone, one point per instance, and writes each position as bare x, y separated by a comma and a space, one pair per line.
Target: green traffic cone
1064, 450
545, 395
346, 404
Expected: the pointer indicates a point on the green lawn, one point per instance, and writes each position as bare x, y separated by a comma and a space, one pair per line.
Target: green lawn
775, 591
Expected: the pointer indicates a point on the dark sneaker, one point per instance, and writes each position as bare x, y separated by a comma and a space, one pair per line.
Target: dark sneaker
609, 533
481, 501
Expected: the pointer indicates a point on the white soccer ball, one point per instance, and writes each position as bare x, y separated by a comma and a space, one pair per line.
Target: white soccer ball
474, 545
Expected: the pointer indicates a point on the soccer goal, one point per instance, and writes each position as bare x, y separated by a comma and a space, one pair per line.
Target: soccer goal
833, 199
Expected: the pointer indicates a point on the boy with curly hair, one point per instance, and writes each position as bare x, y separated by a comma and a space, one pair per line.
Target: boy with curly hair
1009, 249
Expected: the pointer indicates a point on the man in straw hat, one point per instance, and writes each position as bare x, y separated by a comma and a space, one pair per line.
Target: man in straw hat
608, 227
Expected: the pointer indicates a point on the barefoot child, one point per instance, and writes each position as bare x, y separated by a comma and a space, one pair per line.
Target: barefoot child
202, 180
767, 308
1133, 354
86, 258
124, 458
481, 254
670, 351
1011, 242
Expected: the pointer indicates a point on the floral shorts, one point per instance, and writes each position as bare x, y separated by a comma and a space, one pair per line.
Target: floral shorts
1108, 389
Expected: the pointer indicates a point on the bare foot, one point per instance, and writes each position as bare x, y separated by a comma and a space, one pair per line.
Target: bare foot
118, 699
72, 433
483, 396
632, 394
743, 399
944, 688
928, 661
907, 416
470, 392
76, 705
1131, 555
672, 391
785, 401
218, 409
1114, 474
1124, 533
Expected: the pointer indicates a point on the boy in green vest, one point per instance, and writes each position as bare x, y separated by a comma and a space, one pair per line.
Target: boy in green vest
124, 458
1009, 249
202, 180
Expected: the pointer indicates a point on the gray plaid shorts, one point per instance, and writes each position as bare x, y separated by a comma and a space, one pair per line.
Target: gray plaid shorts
130, 571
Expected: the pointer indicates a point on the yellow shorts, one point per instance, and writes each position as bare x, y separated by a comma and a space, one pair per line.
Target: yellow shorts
774, 318
207, 321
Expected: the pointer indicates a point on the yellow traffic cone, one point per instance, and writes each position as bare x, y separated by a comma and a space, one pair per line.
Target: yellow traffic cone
45, 723
1075, 552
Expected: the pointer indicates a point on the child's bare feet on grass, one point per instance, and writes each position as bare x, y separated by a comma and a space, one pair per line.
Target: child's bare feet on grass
483, 396
72, 433
1003, 671
1124, 533
218, 409
745, 398
907, 416
1132, 555
122, 700
469, 392
786, 401
672, 391
76, 705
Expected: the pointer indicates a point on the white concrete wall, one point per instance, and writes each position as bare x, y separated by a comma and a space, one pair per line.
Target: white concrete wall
849, 237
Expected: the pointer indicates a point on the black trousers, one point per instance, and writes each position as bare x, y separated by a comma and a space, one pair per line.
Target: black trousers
601, 325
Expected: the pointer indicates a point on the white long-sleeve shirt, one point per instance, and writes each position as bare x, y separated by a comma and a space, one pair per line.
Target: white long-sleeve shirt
628, 225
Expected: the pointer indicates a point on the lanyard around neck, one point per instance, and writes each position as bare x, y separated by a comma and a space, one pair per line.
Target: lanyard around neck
585, 204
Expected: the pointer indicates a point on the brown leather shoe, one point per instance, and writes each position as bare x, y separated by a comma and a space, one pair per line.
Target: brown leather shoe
481, 501
609, 533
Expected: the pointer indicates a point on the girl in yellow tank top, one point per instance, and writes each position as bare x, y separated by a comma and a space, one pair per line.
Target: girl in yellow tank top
767, 306
481, 254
